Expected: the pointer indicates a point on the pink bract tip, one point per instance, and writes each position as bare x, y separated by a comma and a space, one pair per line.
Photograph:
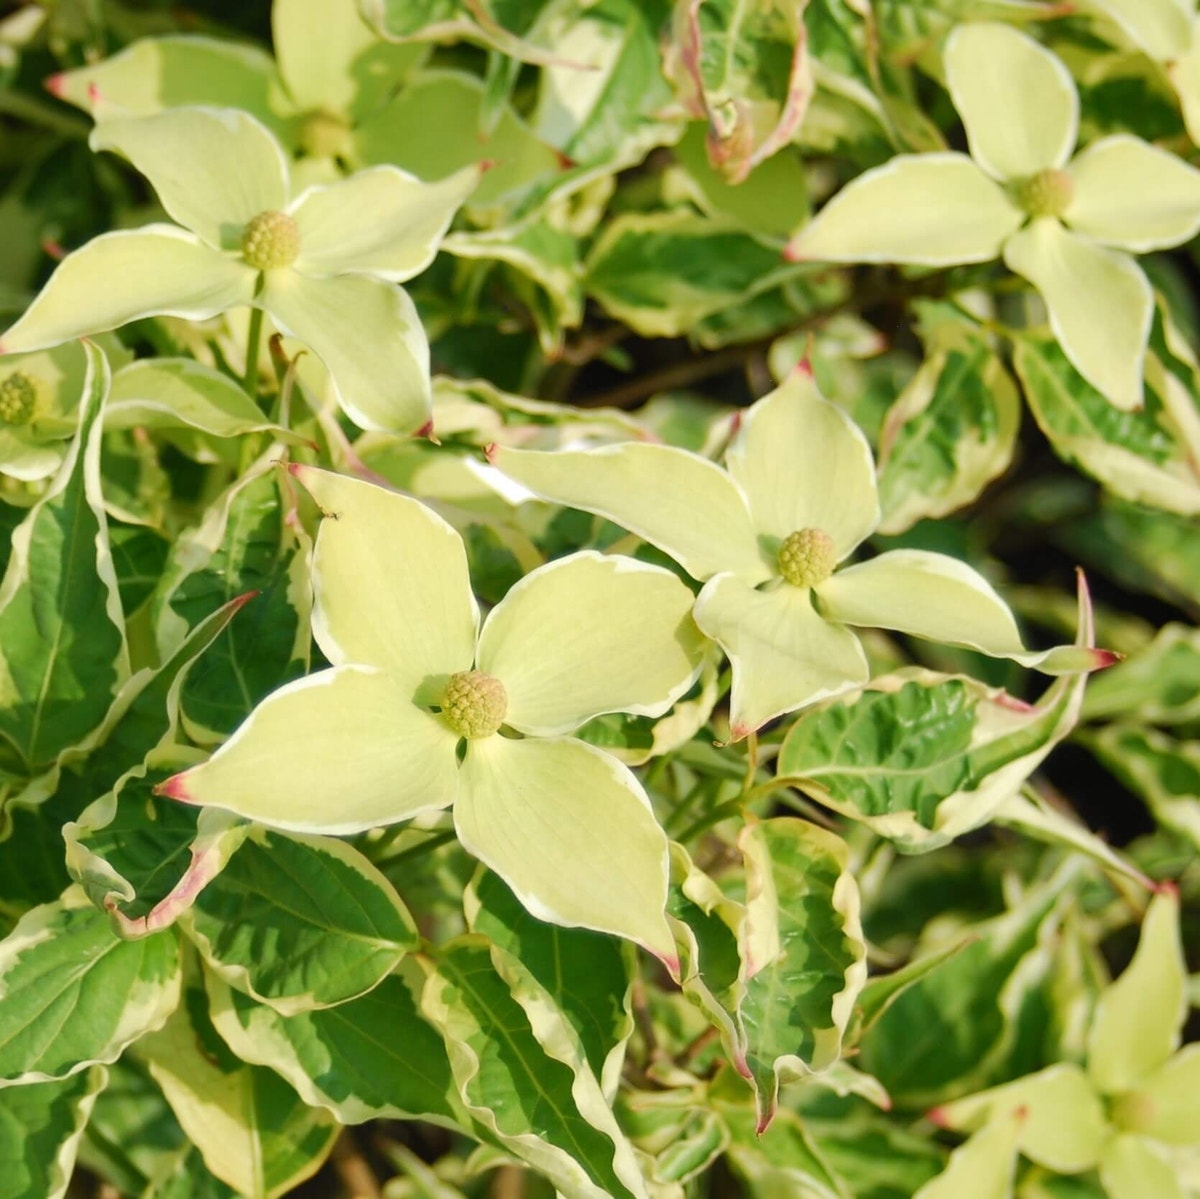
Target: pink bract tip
240, 601
55, 84
426, 430
739, 732
174, 788
937, 1115
792, 254
487, 164
53, 250
1103, 658
491, 452
804, 367
1166, 887
565, 161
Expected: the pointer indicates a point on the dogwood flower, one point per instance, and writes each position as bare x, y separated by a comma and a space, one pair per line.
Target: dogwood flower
1062, 223
324, 264
767, 537
1133, 1114
1168, 31
422, 709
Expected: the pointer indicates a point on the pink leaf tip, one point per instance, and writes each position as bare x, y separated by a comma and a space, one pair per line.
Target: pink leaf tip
426, 431
491, 452
1102, 658
52, 249
804, 368
792, 253
937, 1116
240, 601
55, 84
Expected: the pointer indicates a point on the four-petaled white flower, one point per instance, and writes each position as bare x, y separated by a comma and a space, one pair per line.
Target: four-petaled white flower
422, 708
1062, 223
324, 264
1133, 1114
765, 536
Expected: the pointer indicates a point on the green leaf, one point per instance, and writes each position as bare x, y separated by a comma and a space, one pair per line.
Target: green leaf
579, 979
75, 994
244, 543
40, 1129
683, 1136
661, 273
803, 954
180, 393
922, 758
300, 922
950, 433
373, 1057
142, 859
881, 991
1160, 684
64, 655
521, 1095
451, 20
782, 1161
1135, 454
876, 1158
950, 1033
253, 1131
1163, 771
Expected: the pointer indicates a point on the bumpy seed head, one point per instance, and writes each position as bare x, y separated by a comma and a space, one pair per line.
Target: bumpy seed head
1132, 1111
18, 398
270, 240
1048, 193
807, 557
323, 135
474, 703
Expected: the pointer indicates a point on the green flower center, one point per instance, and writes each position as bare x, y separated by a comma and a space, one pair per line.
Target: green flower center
1134, 1111
18, 398
1048, 193
807, 557
474, 703
323, 135
270, 240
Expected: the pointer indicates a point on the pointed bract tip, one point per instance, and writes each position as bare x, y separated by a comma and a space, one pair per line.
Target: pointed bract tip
671, 962
793, 253
487, 164
764, 1121
55, 84
240, 601
1167, 887
52, 249
174, 788
804, 368
1102, 658
426, 431
937, 1116
565, 161
491, 452
294, 468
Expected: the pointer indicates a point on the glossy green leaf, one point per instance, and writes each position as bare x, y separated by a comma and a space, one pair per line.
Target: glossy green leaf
40, 1128
803, 954
1158, 685
950, 433
662, 272
441, 20
922, 758
522, 1096
782, 1161
373, 1057
143, 860
75, 994
253, 1131
683, 1137
300, 922
64, 654
561, 977
1135, 454
167, 393
949, 1034
1163, 771
245, 543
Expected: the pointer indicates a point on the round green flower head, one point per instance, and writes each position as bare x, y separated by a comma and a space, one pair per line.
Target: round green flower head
270, 240
807, 557
1048, 193
18, 398
474, 703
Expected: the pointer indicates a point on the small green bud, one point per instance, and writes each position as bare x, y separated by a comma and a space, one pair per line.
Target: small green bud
807, 557
323, 135
474, 703
271, 239
18, 398
1048, 193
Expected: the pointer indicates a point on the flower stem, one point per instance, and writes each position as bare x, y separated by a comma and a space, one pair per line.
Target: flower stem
250, 378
